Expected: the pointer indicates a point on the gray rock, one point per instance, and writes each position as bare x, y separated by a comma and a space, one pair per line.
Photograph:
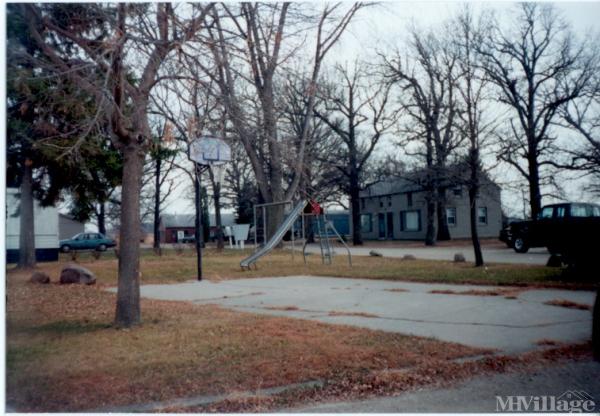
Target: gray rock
554, 261
375, 253
408, 257
40, 277
76, 274
459, 258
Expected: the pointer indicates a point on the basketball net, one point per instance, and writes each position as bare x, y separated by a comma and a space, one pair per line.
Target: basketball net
218, 172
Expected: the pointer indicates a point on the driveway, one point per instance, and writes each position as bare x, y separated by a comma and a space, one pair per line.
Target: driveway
509, 325
536, 256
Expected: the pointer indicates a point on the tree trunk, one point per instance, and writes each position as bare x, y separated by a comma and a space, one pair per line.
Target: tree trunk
27, 219
355, 210
596, 327
156, 244
535, 197
102, 219
430, 233
275, 214
443, 233
128, 294
473, 191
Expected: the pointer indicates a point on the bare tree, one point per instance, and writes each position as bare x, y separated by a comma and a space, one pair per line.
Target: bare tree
428, 98
356, 110
473, 87
538, 68
583, 117
141, 37
248, 63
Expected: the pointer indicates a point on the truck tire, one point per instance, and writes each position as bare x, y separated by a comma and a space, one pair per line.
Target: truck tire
520, 245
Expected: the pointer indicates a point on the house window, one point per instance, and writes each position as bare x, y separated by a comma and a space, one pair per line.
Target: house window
451, 216
362, 203
482, 217
366, 223
409, 200
410, 220
457, 191
389, 201
380, 203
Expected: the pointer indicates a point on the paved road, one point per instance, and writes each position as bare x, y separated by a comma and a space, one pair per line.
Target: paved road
510, 325
478, 394
537, 256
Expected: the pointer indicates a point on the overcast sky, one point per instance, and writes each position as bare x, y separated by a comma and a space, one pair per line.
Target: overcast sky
385, 25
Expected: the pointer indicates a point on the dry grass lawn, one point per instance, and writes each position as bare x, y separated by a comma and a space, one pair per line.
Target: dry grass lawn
173, 268
64, 354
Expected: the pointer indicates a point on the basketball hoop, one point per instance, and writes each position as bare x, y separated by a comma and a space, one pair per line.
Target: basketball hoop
209, 150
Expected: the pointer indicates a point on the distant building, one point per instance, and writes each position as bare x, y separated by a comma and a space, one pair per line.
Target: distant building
396, 209
45, 228
69, 226
178, 226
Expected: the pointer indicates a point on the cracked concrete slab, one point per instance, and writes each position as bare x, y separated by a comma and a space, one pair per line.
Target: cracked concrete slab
509, 325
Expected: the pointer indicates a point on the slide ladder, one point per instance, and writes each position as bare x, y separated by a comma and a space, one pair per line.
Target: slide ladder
286, 225
323, 228
324, 243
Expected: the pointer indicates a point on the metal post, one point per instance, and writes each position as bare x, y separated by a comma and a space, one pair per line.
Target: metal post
198, 223
255, 229
293, 246
264, 210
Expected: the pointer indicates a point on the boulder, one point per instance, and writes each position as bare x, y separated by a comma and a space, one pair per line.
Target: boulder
40, 277
374, 253
554, 261
77, 274
459, 258
408, 257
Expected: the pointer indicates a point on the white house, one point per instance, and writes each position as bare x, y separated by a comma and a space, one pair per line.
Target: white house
45, 225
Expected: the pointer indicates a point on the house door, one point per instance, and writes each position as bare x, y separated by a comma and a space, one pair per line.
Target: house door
390, 225
381, 221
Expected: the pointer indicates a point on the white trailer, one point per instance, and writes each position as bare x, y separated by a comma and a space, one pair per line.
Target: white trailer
45, 226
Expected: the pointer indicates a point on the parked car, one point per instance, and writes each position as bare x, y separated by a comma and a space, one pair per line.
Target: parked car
87, 241
188, 239
554, 223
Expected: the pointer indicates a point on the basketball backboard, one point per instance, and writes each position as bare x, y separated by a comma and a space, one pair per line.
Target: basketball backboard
209, 150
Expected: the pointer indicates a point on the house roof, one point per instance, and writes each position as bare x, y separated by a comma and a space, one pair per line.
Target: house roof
410, 182
390, 186
189, 220
178, 220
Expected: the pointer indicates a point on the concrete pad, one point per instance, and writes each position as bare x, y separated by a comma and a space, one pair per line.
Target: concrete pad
510, 325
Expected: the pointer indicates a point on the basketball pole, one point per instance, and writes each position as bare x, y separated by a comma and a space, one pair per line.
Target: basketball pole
199, 231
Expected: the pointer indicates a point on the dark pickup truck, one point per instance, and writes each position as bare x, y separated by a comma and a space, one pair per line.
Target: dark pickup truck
559, 227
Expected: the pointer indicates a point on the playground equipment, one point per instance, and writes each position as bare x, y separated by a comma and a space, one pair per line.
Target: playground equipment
323, 228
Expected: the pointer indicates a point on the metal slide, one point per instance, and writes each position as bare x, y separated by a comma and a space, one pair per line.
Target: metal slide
276, 238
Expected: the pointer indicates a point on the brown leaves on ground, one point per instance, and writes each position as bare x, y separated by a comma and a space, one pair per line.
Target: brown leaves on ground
282, 308
357, 314
569, 304
430, 373
508, 293
63, 354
